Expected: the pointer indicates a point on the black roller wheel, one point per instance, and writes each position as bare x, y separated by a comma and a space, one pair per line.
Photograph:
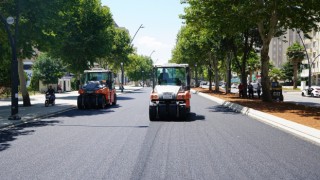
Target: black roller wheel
114, 99
79, 103
103, 101
152, 113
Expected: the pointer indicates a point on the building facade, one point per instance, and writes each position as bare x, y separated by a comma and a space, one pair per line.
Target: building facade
313, 59
278, 48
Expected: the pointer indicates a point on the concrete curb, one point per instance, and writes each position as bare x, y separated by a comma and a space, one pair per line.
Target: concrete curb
27, 120
307, 133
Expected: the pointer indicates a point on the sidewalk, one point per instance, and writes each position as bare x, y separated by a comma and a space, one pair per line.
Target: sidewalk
64, 102
307, 133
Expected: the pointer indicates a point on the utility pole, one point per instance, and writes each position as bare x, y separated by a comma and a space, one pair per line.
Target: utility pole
14, 63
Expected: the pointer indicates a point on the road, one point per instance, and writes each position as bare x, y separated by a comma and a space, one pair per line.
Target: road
296, 97
121, 143
291, 96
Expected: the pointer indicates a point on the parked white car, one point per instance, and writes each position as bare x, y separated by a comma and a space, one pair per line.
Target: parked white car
234, 86
205, 84
314, 91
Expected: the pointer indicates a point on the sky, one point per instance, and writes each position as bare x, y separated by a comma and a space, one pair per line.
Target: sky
161, 22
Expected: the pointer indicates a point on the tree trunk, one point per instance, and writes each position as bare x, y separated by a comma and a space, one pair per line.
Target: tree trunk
23, 87
295, 74
244, 74
244, 81
266, 35
216, 74
228, 81
265, 80
210, 76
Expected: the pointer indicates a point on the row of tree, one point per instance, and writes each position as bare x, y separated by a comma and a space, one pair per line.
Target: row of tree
225, 35
73, 34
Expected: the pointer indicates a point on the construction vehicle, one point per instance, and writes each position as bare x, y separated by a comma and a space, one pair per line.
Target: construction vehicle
98, 89
170, 96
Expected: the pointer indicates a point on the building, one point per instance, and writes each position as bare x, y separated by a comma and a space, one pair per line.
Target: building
278, 48
313, 50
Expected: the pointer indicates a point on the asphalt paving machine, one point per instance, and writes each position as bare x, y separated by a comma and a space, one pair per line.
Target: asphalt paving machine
98, 89
170, 96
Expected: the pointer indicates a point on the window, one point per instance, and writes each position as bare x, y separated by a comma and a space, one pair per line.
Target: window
171, 76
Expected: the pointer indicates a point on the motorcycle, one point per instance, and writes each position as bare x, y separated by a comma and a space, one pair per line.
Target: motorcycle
50, 99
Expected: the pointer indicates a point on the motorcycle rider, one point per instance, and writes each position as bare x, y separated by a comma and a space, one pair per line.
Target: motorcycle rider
50, 91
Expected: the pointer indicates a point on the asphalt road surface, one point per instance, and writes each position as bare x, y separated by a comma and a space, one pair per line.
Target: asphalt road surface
296, 97
121, 143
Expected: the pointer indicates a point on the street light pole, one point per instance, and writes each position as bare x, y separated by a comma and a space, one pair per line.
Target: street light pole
14, 67
305, 49
151, 53
196, 75
122, 78
142, 79
141, 26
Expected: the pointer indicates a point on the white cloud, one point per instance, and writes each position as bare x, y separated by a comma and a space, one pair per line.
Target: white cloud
146, 44
152, 42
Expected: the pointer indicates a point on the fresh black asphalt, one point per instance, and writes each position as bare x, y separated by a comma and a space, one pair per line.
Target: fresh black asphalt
120, 142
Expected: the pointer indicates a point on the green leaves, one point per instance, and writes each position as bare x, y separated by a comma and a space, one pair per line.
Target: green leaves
48, 69
140, 67
295, 52
86, 35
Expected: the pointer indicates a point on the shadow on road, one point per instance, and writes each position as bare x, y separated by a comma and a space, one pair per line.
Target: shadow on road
120, 98
6, 136
221, 108
135, 92
71, 97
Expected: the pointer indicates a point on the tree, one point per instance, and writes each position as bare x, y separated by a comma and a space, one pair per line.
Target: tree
295, 54
35, 25
270, 18
198, 46
47, 69
212, 16
287, 70
5, 61
253, 64
276, 74
139, 67
121, 48
85, 36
